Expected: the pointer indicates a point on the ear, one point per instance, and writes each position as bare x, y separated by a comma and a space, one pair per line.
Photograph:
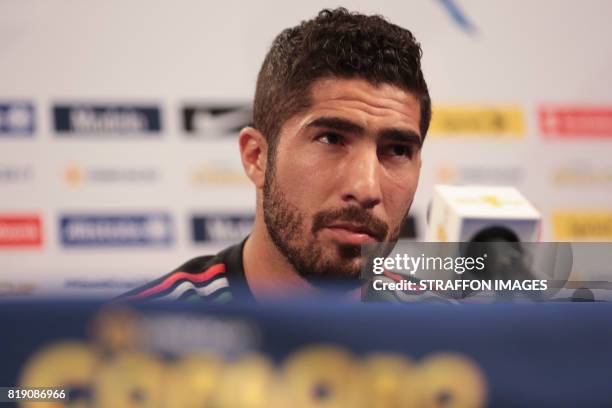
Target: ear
254, 154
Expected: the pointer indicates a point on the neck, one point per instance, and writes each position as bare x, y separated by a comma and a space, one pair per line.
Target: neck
268, 273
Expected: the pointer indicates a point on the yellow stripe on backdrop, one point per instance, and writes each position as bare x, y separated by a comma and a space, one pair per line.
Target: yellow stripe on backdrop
477, 120
593, 225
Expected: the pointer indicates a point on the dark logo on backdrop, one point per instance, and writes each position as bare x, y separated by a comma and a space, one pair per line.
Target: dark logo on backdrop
96, 119
16, 119
221, 228
111, 230
216, 121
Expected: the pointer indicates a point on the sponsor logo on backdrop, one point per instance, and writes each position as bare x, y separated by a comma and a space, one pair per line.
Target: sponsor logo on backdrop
211, 121
582, 225
20, 231
458, 16
583, 175
575, 121
499, 121
478, 175
96, 284
10, 174
221, 227
112, 230
16, 119
217, 174
97, 119
8, 288
76, 175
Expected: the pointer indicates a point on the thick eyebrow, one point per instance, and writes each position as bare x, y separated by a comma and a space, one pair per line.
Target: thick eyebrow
339, 124
402, 135
345, 125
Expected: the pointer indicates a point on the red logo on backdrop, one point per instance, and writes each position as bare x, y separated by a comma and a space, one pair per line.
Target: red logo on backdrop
575, 122
20, 231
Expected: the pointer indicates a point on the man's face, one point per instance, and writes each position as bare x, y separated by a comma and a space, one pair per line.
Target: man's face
344, 173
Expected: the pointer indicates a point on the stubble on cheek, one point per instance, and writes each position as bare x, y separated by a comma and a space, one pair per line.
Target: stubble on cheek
304, 248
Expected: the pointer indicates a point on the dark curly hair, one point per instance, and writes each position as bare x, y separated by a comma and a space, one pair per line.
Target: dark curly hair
336, 43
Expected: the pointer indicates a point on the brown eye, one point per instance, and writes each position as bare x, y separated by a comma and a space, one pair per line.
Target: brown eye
330, 138
399, 150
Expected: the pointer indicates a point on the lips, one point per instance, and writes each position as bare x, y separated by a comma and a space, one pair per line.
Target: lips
352, 234
351, 225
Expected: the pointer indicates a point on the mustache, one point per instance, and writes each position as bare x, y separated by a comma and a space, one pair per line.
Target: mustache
353, 214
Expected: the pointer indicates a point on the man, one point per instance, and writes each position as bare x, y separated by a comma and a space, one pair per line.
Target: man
340, 113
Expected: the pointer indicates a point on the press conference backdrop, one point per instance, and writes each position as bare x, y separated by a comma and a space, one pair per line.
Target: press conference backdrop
119, 123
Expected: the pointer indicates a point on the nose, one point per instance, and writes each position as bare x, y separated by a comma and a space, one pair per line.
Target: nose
362, 179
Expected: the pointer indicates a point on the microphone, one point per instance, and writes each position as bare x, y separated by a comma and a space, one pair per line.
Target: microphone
489, 221
481, 214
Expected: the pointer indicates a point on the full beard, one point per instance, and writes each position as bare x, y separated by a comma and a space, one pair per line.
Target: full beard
286, 227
